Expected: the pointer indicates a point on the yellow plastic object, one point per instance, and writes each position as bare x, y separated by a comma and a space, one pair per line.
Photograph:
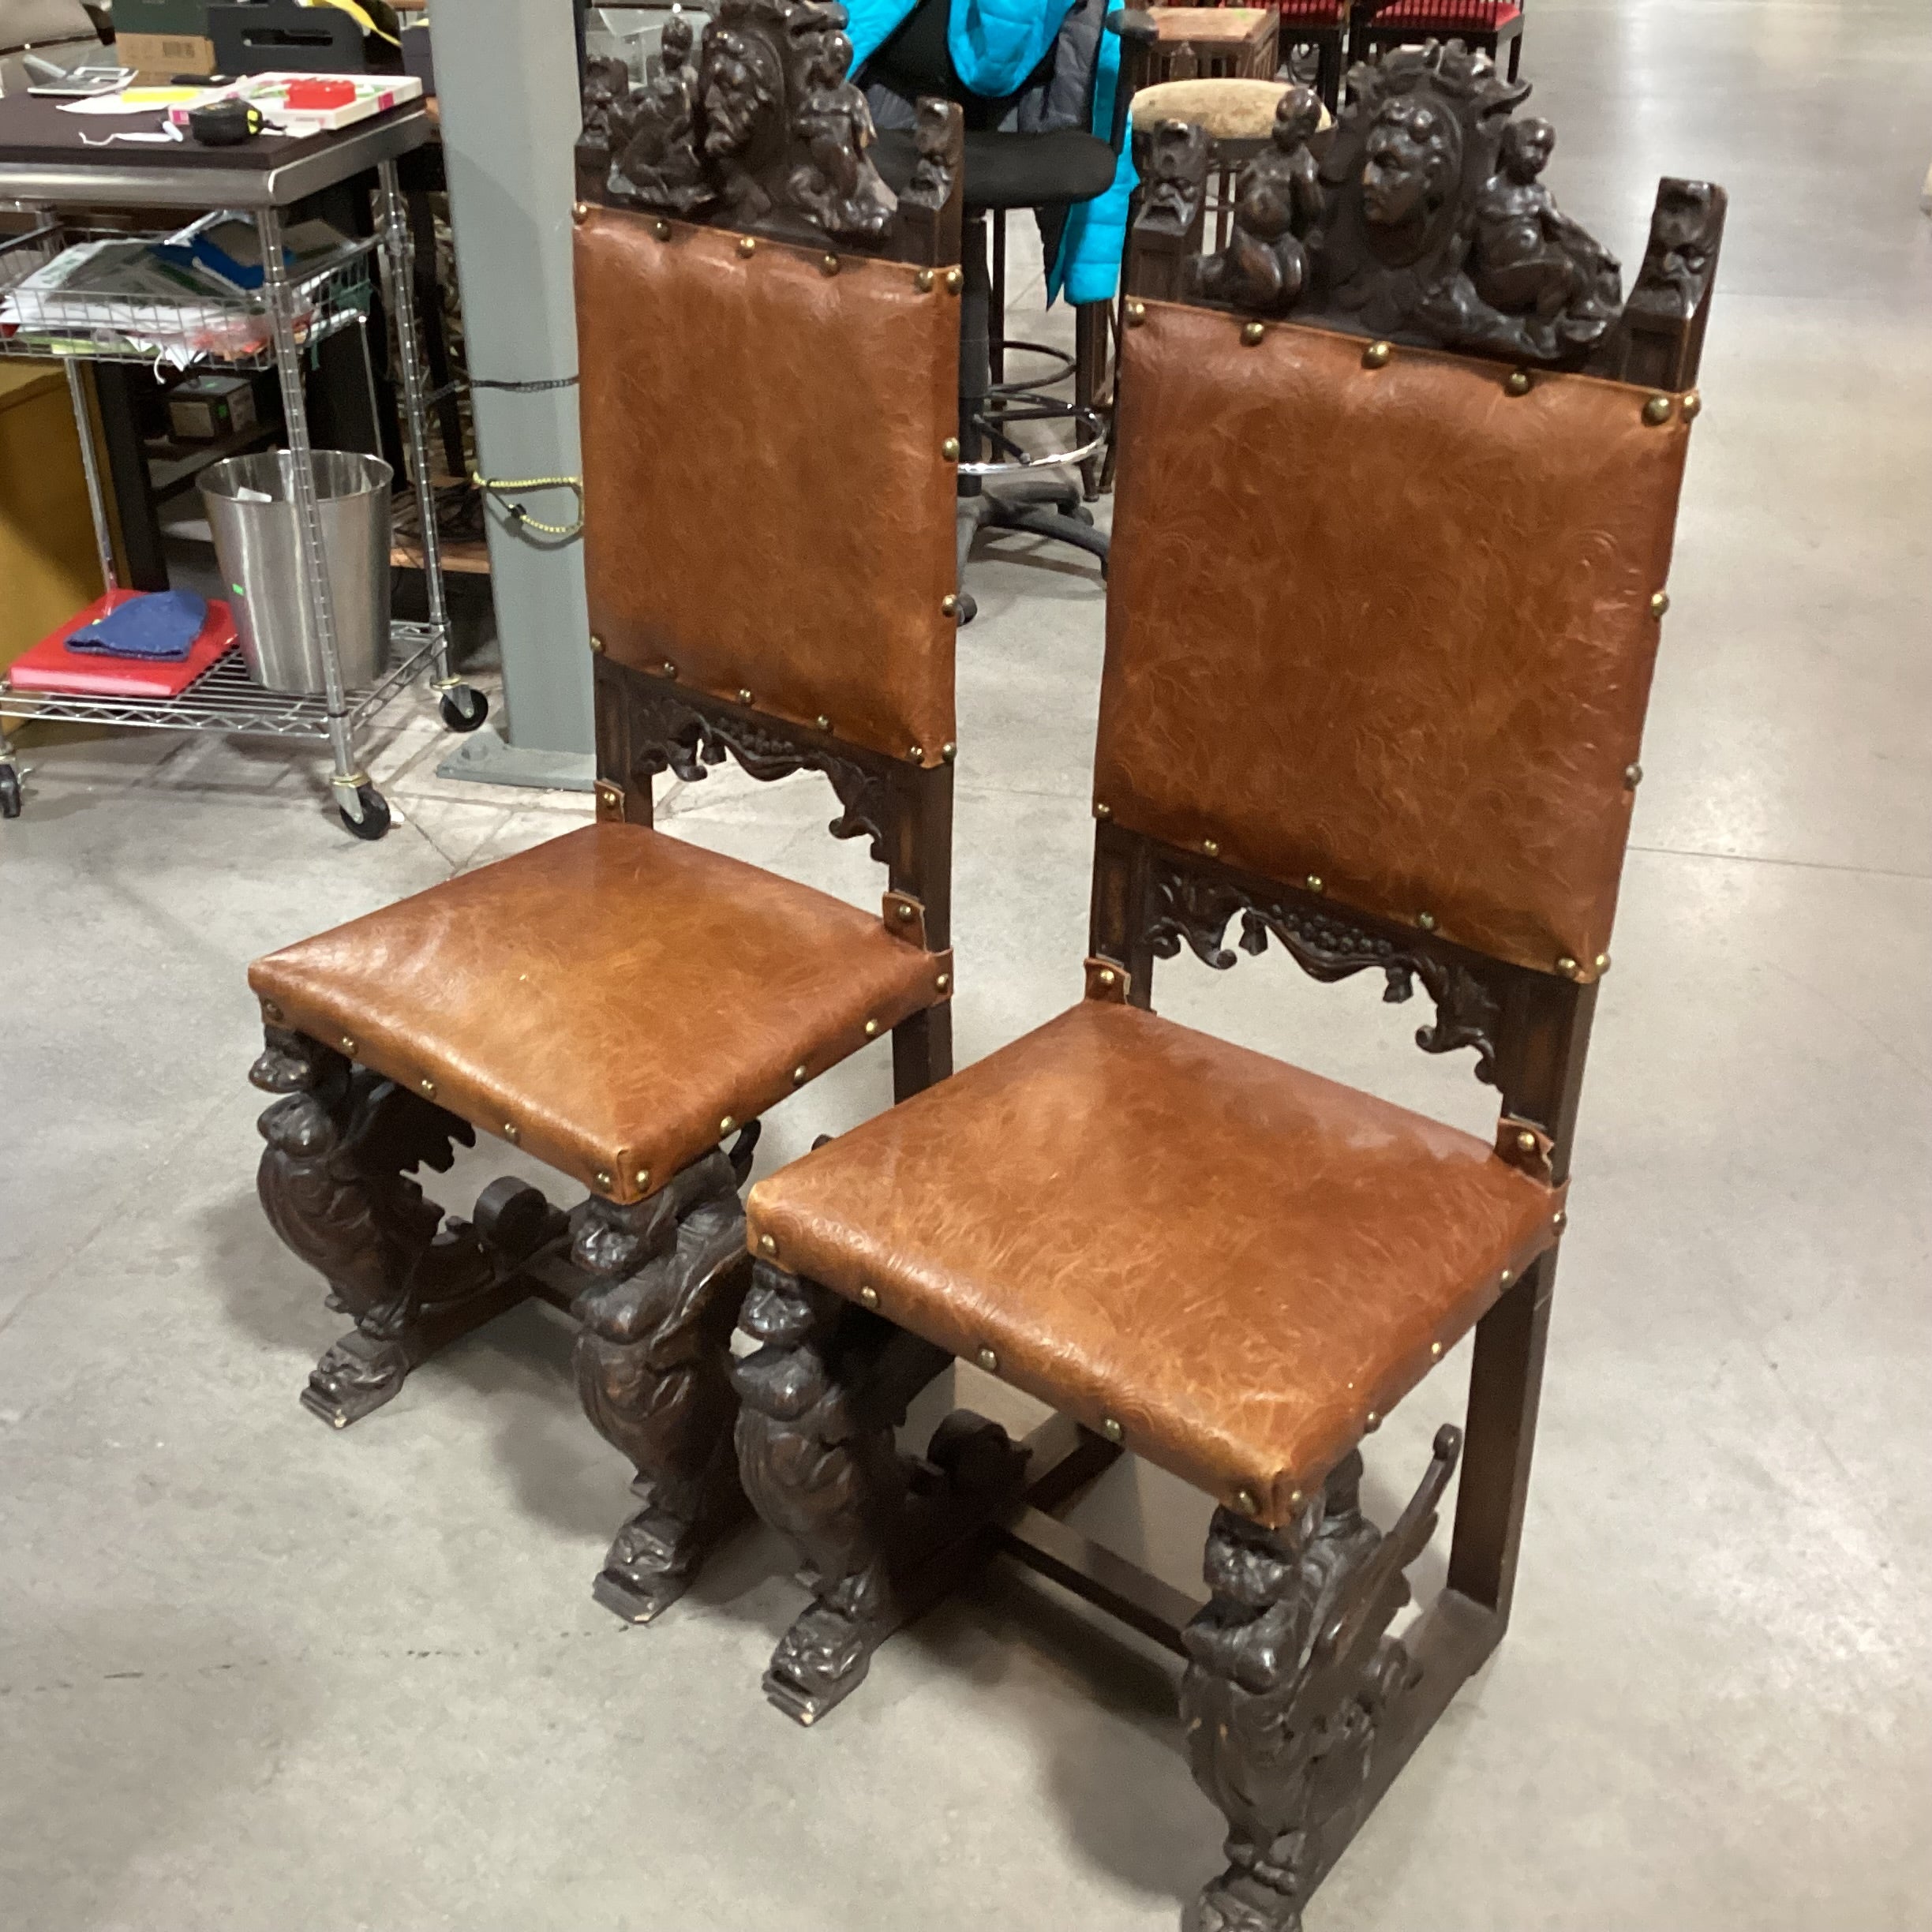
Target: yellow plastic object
48, 567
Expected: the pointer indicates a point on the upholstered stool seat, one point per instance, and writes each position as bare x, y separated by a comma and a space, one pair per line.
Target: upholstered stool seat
613, 1002
1230, 110
1230, 1263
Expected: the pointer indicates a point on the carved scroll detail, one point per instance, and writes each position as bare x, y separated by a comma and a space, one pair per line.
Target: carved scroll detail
671, 734
763, 124
1290, 1679
1195, 906
653, 1358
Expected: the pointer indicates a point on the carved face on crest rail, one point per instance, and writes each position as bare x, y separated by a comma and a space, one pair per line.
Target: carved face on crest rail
1415, 164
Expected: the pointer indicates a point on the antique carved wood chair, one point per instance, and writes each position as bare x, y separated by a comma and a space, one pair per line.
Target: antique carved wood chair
769, 348
1394, 733
1483, 26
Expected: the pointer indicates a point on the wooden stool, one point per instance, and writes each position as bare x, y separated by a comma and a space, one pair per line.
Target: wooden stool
1395, 515
1213, 44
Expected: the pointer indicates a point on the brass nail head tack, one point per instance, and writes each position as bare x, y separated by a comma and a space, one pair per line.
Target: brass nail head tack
1376, 355
954, 281
1426, 921
670, 669
905, 912
1313, 881
1103, 811
348, 1045
1567, 965
427, 1086
1692, 403
744, 696
950, 449
1211, 847
271, 1011
603, 1177
798, 1076
948, 751
1371, 1422
988, 1361
726, 1124
643, 1176
1526, 1140
823, 722
871, 1028
1253, 334
510, 1133
944, 981
1518, 382
1657, 410
830, 264
767, 1245
1506, 1278
1603, 962
1247, 1502
869, 1295
1660, 603
747, 246
923, 280
662, 230
1136, 314
1560, 1219
948, 605
1435, 1350
596, 644
580, 211
1106, 976
1633, 776
1294, 1499
1111, 1429
916, 753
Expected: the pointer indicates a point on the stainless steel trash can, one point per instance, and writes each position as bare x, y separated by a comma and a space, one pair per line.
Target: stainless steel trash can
250, 502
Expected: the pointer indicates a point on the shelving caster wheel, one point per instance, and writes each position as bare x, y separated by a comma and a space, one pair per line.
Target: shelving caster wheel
463, 710
9, 792
374, 808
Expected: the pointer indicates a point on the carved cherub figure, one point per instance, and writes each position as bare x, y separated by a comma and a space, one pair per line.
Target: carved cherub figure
653, 146
1277, 206
837, 187
931, 183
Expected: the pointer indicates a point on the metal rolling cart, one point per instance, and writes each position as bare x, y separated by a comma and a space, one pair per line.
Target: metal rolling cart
44, 168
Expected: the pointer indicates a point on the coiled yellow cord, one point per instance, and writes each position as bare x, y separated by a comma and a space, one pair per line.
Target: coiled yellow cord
498, 486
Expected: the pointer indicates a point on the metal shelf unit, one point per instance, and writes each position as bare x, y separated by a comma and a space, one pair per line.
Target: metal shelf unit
273, 329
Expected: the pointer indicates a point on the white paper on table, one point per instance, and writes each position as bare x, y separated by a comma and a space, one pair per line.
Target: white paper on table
137, 100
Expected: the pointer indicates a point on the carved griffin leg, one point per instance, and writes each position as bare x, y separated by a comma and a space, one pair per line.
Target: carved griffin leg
821, 1397
652, 1360
1289, 1675
341, 1142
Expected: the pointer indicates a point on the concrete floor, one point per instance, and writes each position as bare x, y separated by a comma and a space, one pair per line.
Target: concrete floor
254, 1674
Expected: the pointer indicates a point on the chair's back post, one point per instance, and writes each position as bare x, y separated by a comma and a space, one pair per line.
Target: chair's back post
1164, 240
1661, 339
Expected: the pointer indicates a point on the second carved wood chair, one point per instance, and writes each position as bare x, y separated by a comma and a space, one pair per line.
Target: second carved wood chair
769, 347
1393, 732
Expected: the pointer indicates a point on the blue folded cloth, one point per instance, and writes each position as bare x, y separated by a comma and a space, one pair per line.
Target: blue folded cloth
158, 627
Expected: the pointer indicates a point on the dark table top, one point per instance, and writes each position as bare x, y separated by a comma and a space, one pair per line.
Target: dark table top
43, 157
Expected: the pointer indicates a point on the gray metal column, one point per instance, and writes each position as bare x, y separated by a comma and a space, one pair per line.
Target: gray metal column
506, 74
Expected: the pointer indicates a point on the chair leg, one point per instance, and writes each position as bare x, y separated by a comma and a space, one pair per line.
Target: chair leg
653, 1367
341, 1142
820, 1397
1515, 58
1291, 1682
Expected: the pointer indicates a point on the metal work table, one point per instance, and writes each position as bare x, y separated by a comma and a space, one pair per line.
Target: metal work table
45, 167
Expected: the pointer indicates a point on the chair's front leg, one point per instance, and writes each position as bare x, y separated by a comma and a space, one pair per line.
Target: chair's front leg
1289, 1677
881, 1534
652, 1359
334, 1181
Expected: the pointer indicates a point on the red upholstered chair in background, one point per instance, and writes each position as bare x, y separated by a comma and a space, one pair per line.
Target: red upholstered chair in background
1348, 706
1483, 26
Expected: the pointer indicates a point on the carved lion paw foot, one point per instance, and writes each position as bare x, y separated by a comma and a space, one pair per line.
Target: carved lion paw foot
358, 1374
819, 1662
650, 1566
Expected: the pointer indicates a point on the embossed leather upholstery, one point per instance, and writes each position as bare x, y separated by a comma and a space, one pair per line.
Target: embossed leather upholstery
612, 996
1235, 1260
1391, 626
768, 505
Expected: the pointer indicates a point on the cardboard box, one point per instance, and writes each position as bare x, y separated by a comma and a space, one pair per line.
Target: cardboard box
206, 408
159, 57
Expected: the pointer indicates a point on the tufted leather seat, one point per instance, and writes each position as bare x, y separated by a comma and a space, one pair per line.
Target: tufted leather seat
614, 1000
1239, 1263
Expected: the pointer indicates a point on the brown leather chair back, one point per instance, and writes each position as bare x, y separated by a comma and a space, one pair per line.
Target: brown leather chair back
768, 505
1382, 615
